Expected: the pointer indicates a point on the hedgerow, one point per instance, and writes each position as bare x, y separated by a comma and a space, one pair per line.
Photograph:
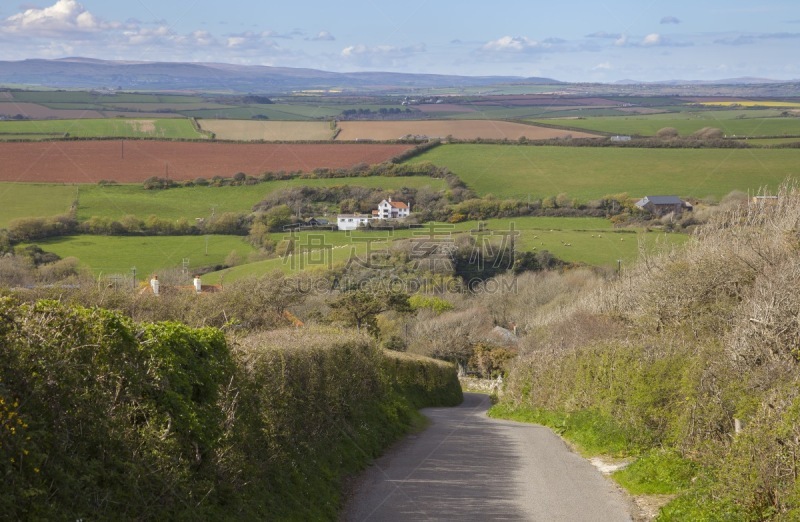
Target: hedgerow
105, 418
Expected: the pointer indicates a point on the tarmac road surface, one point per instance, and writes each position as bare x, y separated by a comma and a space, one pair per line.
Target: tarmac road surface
466, 466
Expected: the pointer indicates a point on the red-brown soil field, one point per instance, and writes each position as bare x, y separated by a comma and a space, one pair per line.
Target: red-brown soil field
92, 161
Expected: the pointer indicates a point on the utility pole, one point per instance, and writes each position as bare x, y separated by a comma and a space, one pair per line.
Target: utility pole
133, 270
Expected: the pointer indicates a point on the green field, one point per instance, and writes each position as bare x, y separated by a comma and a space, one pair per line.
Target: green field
105, 255
101, 128
591, 241
588, 173
20, 200
115, 201
83, 97
280, 111
738, 123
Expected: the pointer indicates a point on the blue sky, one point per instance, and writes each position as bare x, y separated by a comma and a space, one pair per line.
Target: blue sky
572, 41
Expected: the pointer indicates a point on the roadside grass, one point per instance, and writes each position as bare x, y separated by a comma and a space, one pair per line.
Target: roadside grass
21, 200
658, 472
116, 201
588, 173
592, 432
105, 255
168, 128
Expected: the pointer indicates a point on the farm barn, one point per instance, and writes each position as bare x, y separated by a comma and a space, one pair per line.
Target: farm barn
663, 205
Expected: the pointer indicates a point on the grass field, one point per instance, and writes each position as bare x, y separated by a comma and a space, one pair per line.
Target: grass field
115, 201
590, 173
102, 128
247, 130
19, 200
282, 111
105, 255
48, 97
732, 123
590, 241
773, 141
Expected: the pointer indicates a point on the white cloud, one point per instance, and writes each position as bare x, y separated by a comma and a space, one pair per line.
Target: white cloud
652, 39
251, 40
621, 41
605, 66
382, 56
517, 44
65, 17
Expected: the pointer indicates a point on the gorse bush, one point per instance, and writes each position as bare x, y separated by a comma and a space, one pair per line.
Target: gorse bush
102, 417
679, 351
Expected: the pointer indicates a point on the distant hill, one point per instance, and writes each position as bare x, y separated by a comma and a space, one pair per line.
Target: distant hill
725, 81
87, 73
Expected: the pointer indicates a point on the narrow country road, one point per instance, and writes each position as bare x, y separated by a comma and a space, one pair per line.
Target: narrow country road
466, 466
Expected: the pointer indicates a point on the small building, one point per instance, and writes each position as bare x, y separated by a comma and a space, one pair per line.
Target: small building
388, 209
621, 138
318, 222
352, 221
663, 205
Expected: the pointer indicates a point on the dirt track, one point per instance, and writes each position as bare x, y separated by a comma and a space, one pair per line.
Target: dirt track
134, 161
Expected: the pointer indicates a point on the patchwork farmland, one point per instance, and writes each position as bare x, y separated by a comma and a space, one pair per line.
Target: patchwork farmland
135, 161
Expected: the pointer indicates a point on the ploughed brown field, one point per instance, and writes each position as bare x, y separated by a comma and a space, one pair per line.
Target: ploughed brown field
135, 161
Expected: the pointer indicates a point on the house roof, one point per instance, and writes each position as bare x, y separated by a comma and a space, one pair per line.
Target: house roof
660, 200
394, 204
362, 216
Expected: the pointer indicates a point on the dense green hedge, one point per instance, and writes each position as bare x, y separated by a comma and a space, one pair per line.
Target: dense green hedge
104, 418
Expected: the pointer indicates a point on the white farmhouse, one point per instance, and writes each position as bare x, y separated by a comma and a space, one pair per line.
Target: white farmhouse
388, 209
352, 221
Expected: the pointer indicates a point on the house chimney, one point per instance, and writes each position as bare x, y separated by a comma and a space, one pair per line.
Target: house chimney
198, 286
390, 200
154, 284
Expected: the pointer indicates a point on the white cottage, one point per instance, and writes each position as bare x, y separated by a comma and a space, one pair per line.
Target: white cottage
388, 209
352, 221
